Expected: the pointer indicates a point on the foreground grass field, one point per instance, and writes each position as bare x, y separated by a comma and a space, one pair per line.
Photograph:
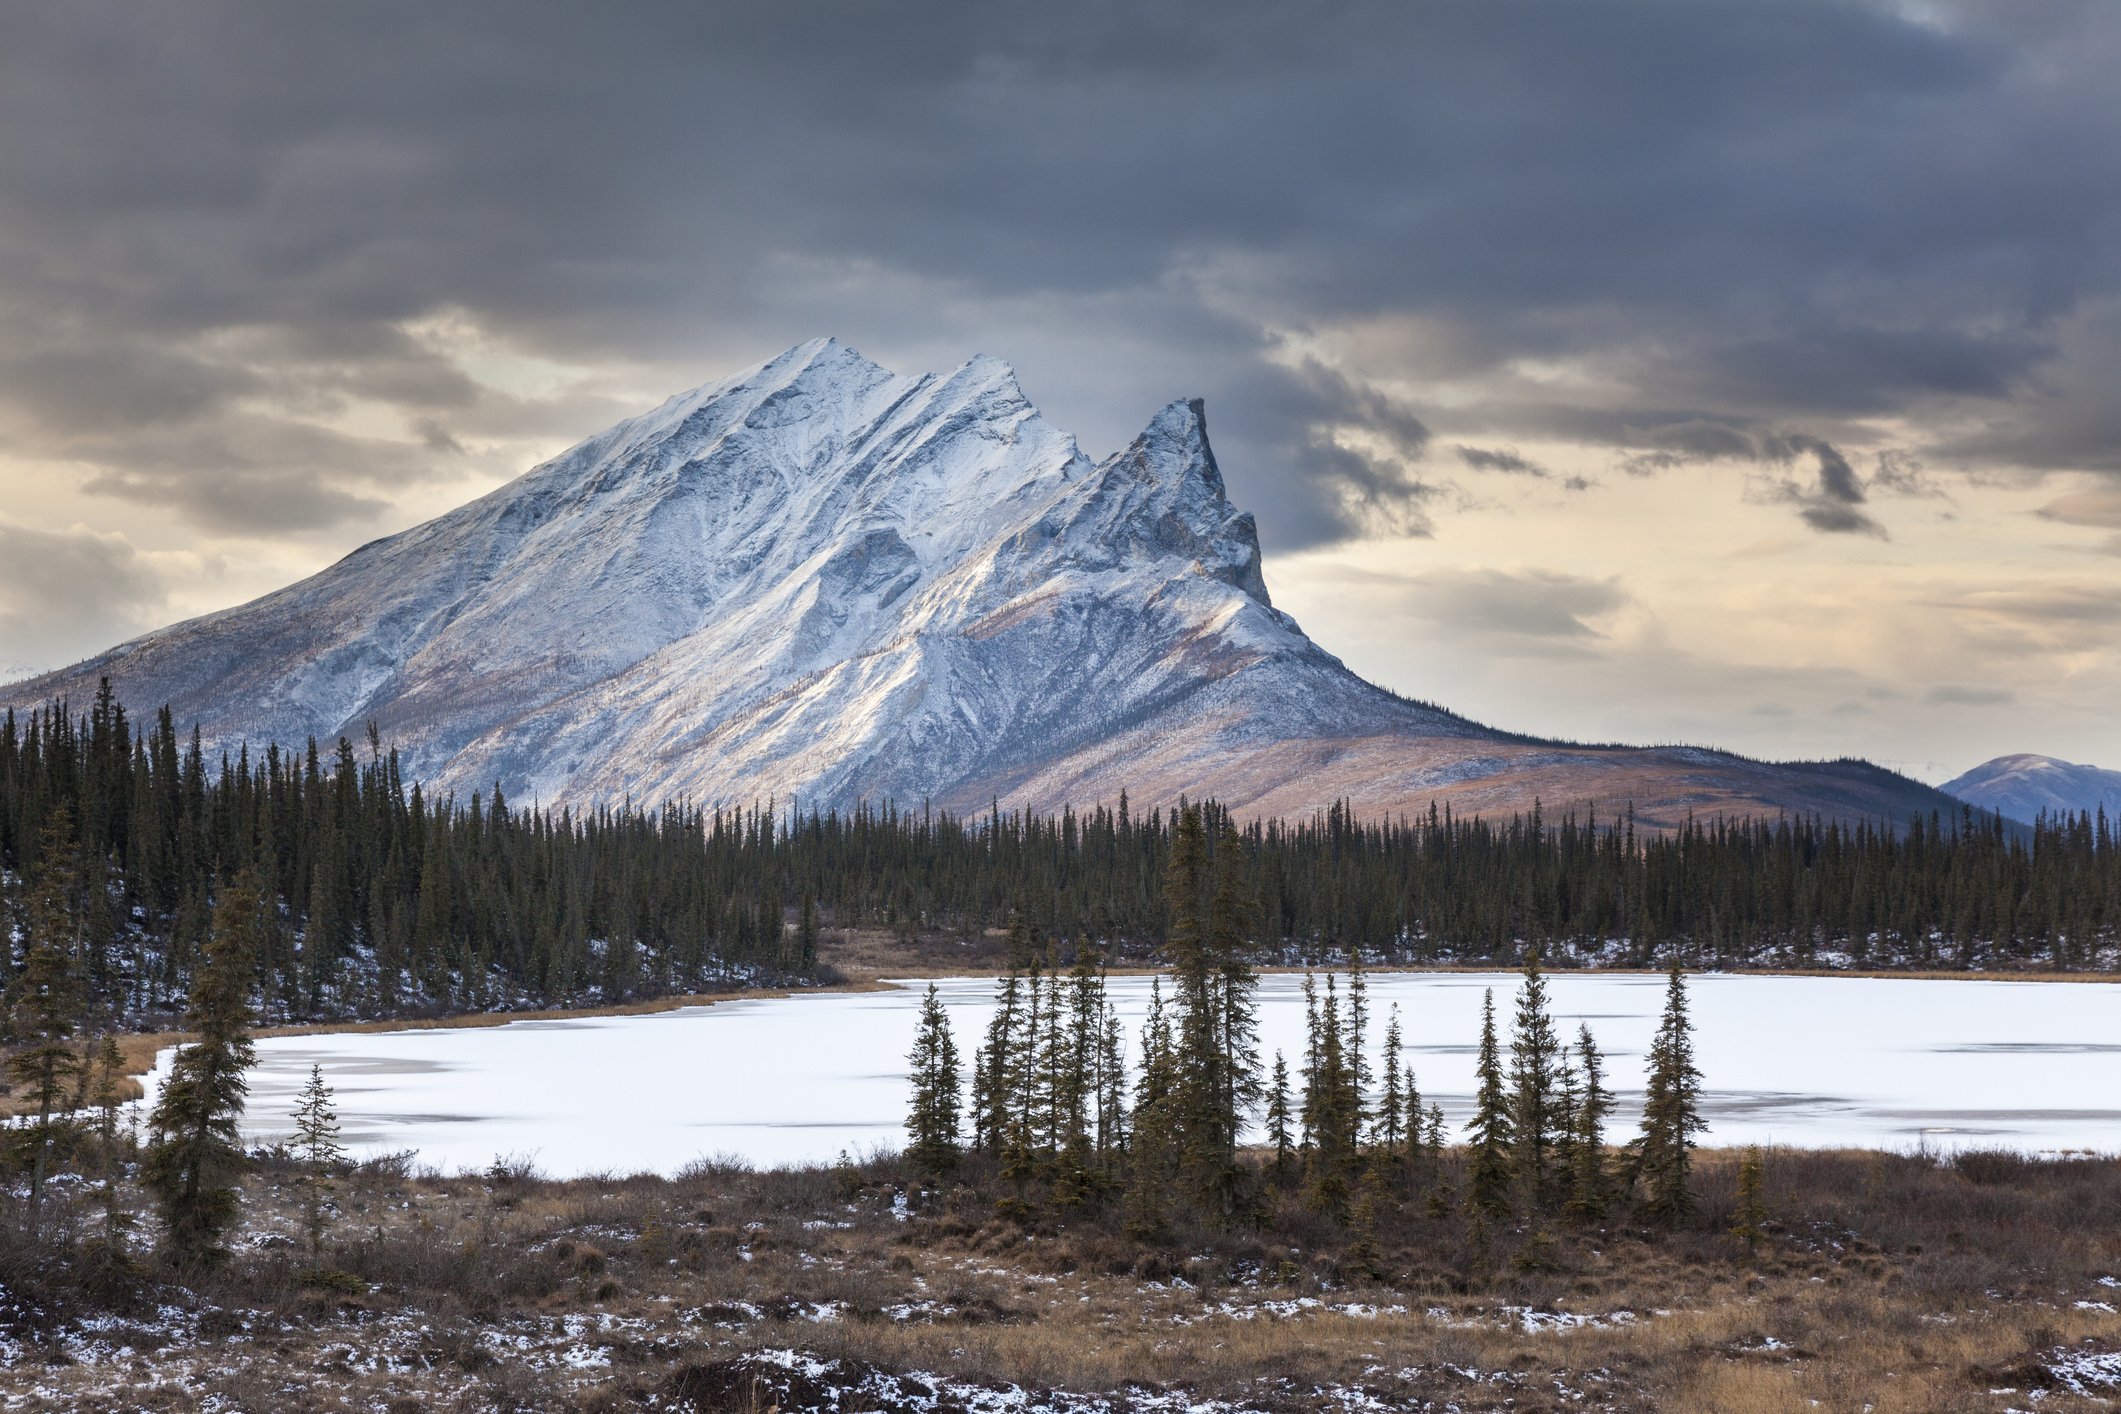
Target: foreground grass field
1889, 1283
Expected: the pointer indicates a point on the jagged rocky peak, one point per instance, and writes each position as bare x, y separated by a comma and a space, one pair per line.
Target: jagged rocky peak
1164, 496
822, 579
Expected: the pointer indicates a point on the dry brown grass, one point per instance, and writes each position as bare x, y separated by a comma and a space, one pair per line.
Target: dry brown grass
1892, 1283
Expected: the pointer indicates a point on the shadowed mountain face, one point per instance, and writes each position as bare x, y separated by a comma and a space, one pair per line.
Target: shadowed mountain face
2025, 787
822, 580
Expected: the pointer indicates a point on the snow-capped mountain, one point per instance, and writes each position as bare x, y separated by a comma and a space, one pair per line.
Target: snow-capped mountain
822, 580
2024, 787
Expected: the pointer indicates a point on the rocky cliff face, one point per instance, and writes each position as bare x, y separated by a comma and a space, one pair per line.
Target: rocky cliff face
821, 580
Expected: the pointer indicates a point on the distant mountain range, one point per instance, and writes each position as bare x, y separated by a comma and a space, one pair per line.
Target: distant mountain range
823, 581
2024, 787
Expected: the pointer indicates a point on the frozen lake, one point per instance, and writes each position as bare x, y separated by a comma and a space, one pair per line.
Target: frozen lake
1798, 1061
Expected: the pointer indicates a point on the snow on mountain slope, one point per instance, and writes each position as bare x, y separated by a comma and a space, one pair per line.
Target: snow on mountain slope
822, 580
2024, 787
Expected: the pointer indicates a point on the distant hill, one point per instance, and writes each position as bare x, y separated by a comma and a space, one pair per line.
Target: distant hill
822, 580
2025, 786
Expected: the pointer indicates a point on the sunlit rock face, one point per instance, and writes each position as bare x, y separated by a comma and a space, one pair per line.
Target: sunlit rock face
824, 582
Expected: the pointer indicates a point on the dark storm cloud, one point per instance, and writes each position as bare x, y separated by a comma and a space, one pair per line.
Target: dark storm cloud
1758, 219
1832, 502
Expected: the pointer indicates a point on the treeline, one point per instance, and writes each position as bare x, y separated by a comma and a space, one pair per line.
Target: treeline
1060, 1122
380, 899
385, 899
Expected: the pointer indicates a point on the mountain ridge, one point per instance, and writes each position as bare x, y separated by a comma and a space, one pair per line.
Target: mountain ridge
821, 579
2024, 786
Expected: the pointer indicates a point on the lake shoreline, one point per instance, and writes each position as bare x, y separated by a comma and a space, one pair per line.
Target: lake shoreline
140, 1049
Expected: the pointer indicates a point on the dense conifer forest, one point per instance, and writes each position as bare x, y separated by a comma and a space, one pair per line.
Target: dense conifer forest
118, 837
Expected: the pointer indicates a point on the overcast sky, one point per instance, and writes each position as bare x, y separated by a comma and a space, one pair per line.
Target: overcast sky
1703, 370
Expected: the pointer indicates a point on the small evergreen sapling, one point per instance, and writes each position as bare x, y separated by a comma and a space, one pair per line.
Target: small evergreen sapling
317, 1146
1749, 1222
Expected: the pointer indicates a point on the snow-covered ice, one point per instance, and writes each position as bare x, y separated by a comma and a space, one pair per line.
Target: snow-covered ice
1799, 1061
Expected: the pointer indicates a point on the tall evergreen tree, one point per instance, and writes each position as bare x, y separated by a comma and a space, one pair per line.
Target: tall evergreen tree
1535, 1112
196, 1150
1671, 1112
47, 1002
932, 1123
994, 1081
1153, 1152
1589, 1188
1279, 1134
1387, 1129
1333, 1111
1491, 1136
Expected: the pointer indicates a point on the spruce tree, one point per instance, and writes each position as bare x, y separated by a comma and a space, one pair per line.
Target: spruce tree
1076, 1087
1372, 1211
1417, 1157
1333, 1107
46, 1067
48, 999
1534, 1102
1153, 1148
196, 1149
994, 1083
1439, 1182
1589, 1189
1231, 914
806, 935
318, 1149
1387, 1129
932, 1121
1278, 1132
1111, 1097
1671, 1112
1491, 1135
1201, 1120
1749, 1221
109, 1251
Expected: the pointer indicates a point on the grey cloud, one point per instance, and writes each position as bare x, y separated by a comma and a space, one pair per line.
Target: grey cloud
1749, 217
1898, 473
1503, 459
1832, 503
1346, 453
